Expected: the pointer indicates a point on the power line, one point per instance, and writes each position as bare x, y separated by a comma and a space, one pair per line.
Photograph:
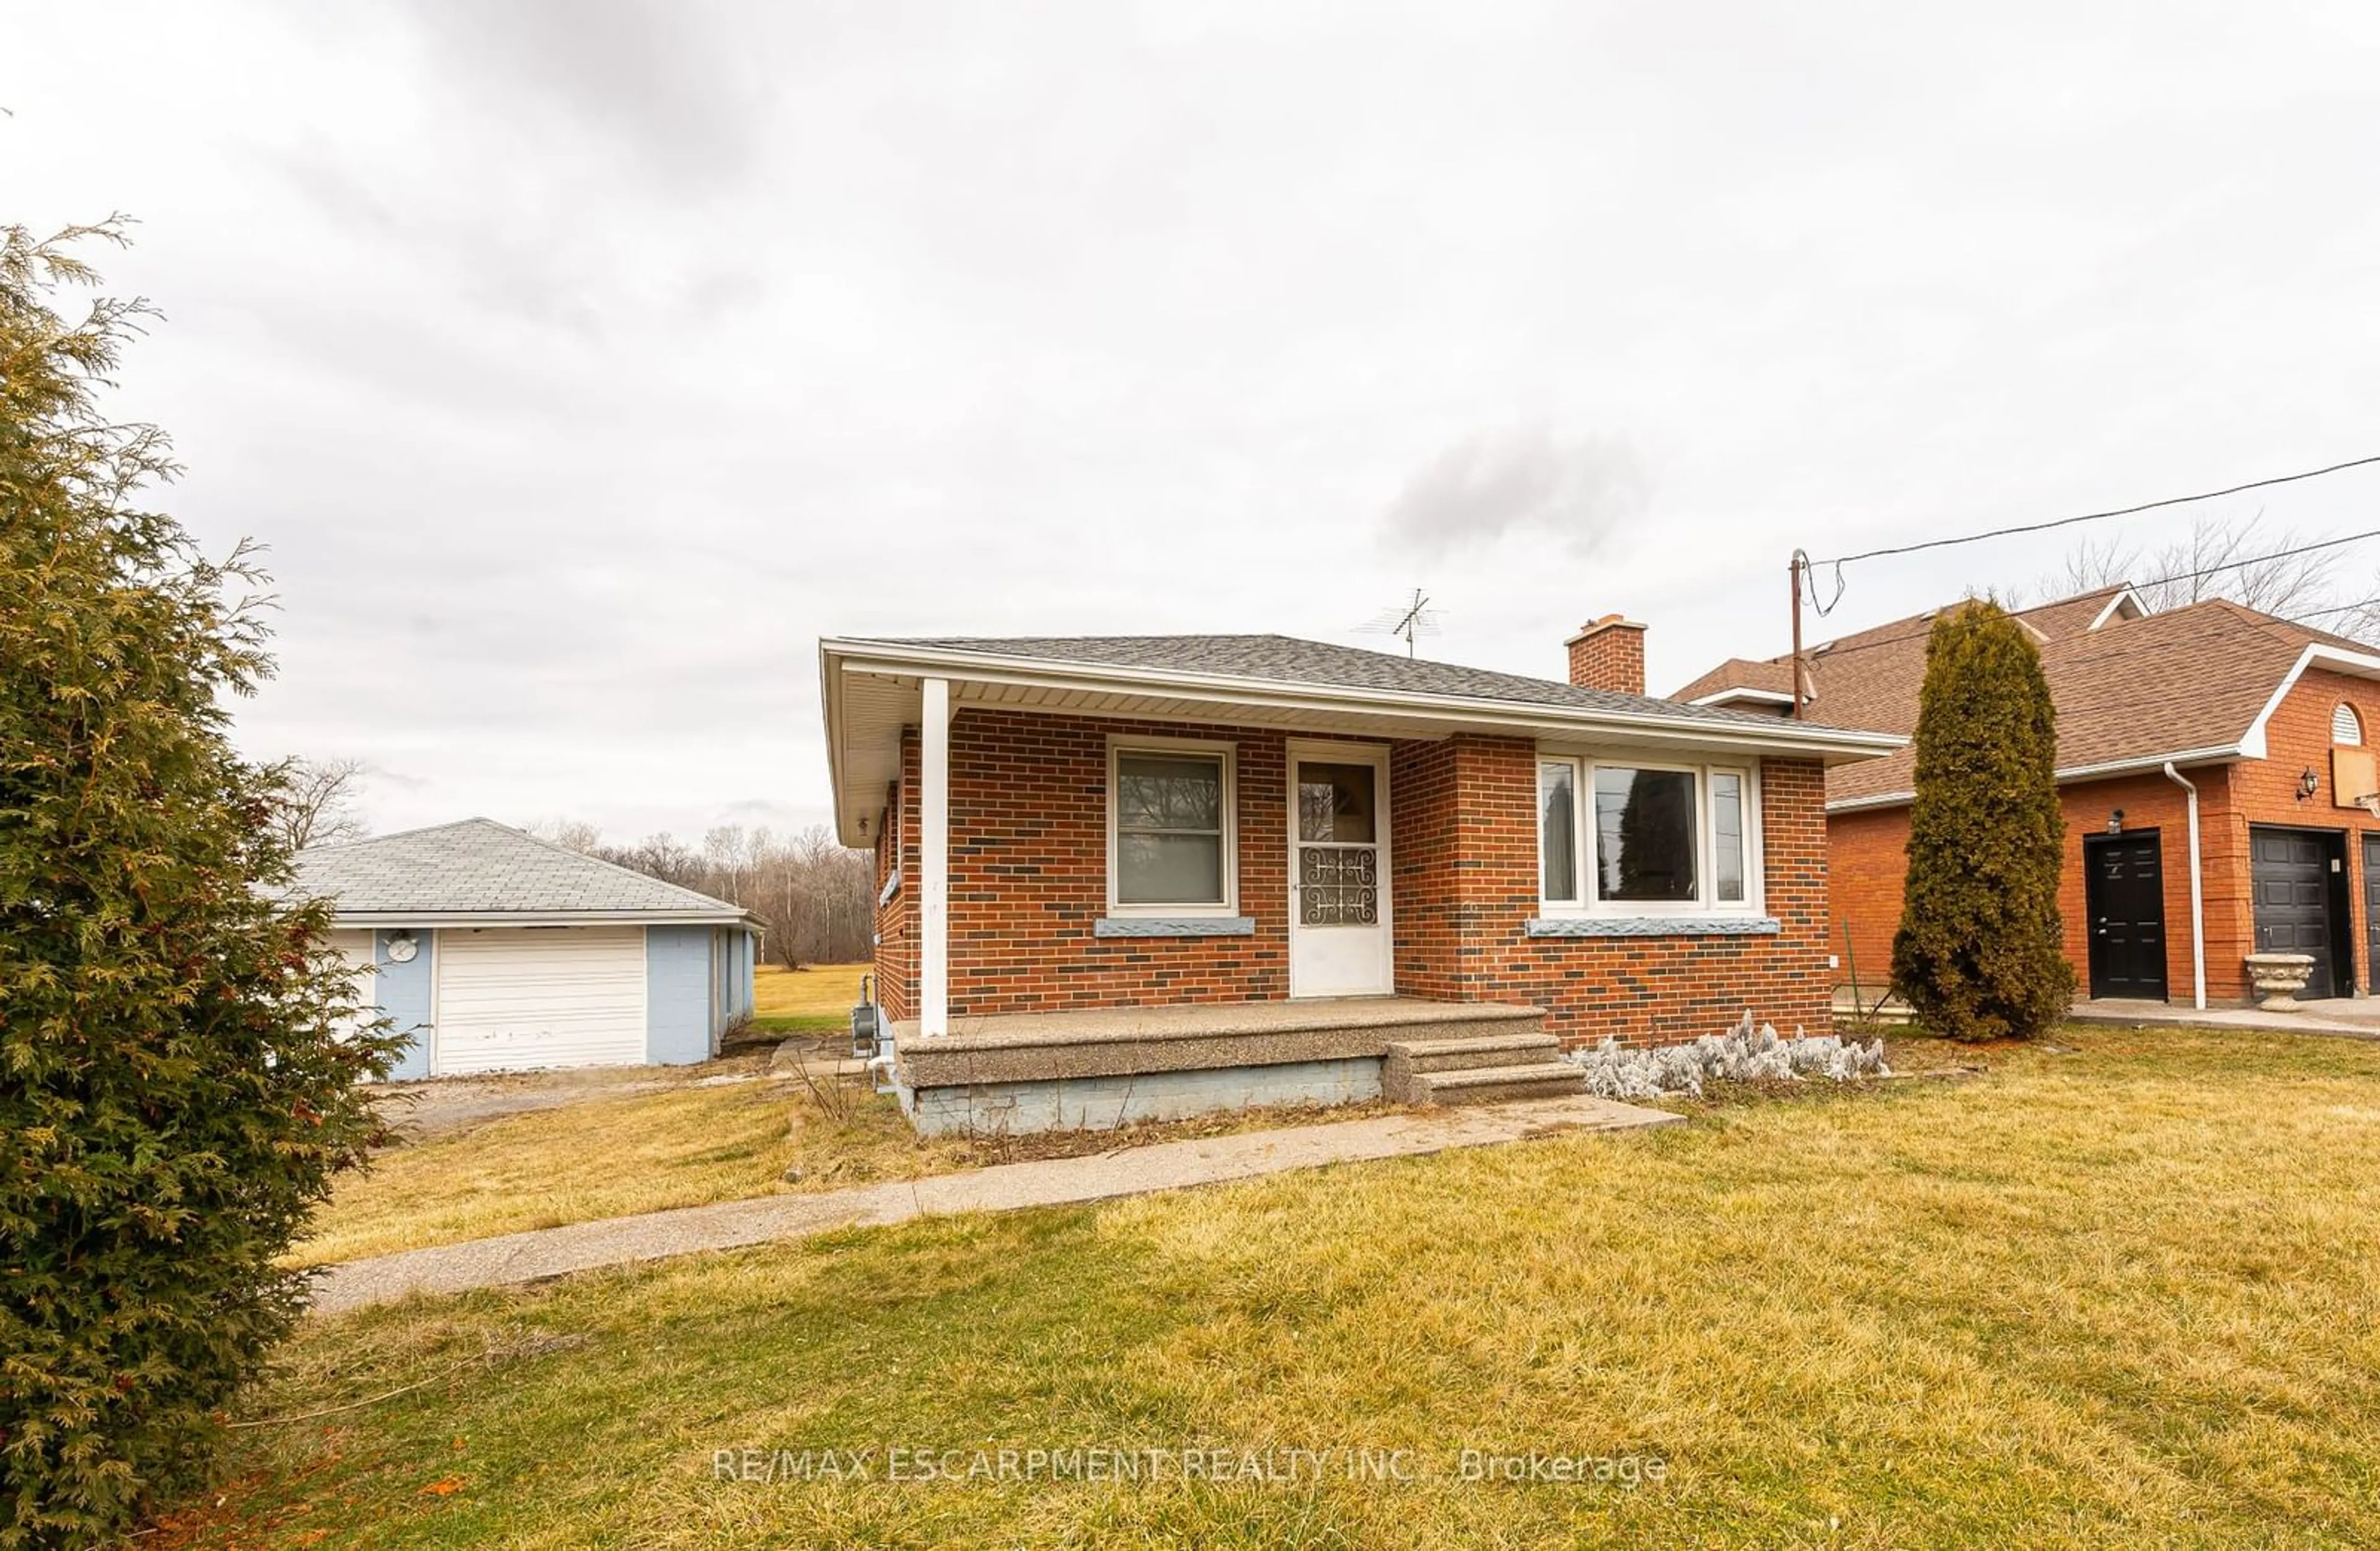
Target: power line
2097, 517
2335, 609
2257, 560
1829, 650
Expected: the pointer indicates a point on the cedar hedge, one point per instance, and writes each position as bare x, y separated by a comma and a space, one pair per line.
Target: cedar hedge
173, 1100
1980, 954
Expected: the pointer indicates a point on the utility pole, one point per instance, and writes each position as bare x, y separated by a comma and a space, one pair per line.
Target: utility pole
1793, 685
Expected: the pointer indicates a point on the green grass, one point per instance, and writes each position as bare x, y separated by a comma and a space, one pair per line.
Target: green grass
2122, 1296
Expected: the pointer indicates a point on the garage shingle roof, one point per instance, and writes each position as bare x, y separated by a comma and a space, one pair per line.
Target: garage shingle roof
478, 866
1289, 659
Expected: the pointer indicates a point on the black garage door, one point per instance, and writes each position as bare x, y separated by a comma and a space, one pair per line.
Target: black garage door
2298, 876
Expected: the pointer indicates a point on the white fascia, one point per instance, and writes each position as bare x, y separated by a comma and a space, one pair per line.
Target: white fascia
2072, 775
2360, 664
1766, 696
393, 919
2123, 596
1520, 716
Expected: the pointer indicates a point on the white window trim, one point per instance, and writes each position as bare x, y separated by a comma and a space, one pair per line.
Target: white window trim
1120, 745
1583, 764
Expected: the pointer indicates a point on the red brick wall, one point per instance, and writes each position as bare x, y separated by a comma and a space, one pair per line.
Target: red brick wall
1866, 866
1028, 878
1869, 865
1466, 884
1028, 873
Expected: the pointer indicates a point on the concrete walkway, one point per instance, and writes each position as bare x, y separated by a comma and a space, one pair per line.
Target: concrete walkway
517, 1258
2355, 1018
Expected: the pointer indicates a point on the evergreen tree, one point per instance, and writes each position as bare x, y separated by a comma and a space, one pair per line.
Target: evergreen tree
1979, 954
173, 1100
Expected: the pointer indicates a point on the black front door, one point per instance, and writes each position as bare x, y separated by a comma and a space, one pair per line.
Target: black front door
2123, 888
2372, 912
2299, 880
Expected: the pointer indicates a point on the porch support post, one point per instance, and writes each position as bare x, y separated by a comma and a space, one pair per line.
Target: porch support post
934, 861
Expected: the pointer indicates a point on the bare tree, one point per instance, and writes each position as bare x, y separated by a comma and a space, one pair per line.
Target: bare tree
571, 834
317, 803
816, 901
2220, 557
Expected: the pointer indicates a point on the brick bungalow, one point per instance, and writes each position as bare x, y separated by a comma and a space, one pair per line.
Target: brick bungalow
2212, 761
1145, 875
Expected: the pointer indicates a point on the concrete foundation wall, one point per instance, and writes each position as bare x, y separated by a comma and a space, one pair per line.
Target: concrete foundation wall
1099, 1103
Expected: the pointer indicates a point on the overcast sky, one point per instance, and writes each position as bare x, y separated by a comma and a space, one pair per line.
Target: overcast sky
582, 362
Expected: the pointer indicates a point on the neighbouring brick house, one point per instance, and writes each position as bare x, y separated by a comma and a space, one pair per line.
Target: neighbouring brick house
2210, 759
1125, 876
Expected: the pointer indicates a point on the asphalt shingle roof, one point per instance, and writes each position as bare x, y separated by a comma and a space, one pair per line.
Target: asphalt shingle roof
1289, 659
479, 866
2189, 678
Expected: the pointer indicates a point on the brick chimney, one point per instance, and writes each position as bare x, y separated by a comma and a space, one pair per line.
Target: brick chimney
1608, 653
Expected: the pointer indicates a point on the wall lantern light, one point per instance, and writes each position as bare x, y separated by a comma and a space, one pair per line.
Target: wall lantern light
2116, 821
2308, 784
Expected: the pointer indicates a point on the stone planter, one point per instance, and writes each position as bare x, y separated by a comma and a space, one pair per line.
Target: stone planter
2279, 978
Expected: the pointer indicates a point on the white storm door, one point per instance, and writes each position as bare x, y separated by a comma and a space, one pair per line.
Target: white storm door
1338, 925
516, 997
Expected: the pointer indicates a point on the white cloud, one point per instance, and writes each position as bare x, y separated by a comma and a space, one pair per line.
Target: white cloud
1576, 491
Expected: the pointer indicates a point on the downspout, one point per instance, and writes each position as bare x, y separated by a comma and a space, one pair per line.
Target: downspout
2197, 907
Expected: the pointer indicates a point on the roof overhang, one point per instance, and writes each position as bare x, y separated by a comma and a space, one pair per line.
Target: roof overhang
2338, 659
396, 920
2071, 775
1724, 697
871, 690
2126, 604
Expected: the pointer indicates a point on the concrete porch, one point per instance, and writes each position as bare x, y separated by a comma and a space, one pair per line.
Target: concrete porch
1105, 1067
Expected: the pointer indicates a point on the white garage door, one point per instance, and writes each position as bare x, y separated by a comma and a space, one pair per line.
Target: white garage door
520, 997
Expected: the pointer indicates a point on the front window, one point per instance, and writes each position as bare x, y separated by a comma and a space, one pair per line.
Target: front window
1646, 837
1171, 811
1558, 830
1727, 835
1630, 838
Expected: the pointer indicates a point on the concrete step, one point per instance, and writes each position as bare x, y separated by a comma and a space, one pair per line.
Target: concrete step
1503, 1050
1515, 1044
1487, 1084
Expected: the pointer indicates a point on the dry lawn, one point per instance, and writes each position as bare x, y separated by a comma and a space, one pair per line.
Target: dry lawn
600, 1158
814, 999
609, 1156
2122, 1296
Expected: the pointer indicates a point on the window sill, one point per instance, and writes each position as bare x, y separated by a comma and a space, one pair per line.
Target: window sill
1655, 926
1174, 925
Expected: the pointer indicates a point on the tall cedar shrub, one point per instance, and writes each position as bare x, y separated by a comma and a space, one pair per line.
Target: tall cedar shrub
1979, 952
171, 1101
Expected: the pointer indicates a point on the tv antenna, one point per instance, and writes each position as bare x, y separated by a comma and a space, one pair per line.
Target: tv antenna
1410, 619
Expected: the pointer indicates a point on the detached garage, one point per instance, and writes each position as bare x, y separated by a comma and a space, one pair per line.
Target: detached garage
498, 951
